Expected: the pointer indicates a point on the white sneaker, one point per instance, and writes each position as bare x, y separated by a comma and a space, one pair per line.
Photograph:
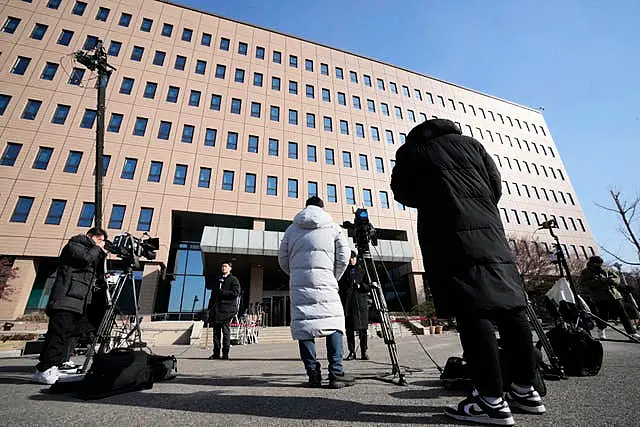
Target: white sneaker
50, 376
68, 368
636, 336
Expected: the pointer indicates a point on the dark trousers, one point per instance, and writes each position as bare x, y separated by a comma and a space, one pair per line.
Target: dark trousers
62, 324
480, 347
221, 331
351, 340
611, 308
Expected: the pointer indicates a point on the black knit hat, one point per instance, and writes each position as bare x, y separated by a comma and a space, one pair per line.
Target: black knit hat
315, 201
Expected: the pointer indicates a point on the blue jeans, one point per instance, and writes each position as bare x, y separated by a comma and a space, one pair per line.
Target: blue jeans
334, 353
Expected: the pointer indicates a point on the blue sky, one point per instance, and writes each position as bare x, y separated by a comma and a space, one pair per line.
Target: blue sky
580, 59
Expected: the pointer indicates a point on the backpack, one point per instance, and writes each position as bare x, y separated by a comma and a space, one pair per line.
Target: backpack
578, 352
120, 371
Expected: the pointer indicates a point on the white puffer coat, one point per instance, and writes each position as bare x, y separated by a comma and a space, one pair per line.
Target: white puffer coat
314, 253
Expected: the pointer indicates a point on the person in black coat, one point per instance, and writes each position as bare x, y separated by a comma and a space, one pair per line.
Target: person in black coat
354, 293
223, 305
456, 187
76, 275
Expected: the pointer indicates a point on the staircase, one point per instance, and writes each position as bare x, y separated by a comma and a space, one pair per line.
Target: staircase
269, 335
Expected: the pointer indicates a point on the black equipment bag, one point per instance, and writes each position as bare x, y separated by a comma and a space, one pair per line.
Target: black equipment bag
579, 353
163, 367
120, 371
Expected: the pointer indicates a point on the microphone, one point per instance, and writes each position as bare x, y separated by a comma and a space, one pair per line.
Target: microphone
552, 223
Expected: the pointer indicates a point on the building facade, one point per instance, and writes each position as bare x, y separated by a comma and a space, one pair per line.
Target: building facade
216, 133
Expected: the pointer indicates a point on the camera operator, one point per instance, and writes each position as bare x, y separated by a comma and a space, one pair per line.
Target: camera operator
455, 186
354, 293
223, 305
599, 287
78, 268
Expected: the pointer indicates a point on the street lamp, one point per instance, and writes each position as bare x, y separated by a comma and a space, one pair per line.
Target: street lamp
195, 300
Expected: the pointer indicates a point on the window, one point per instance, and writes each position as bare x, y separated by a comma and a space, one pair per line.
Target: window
272, 186
180, 176
125, 20
389, 136
76, 76
60, 115
167, 29
56, 210
194, 98
384, 200
65, 37
385, 109
250, 183
342, 100
398, 112
379, 165
216, 101
172, 94
21, 65
371, 105
293, 87
88, 119
326, 95
117, 216
311, 120
22, 209
346, 159
220, 71
354, 76
259, 52
126, 86
308, 65
4, 103
311, 153
412, 117
42, 159
375, 133
210, 137
155, 171
129, 168
329, 156
150, 90
257, 79
293, 117
277, 57
359, 130
242, 48
10, 25
103, 14
367, 80
380, 84
293, 61
201, 66
239, 77
106, 160
405, 91
344, 127
312, 189
394, 87
328, 125
10, 154
236, 105
292, 150
275, 83
87, 213
350, 195
273, 147
255, 109
339, 73
274, 114
232, 141
114, 48
252, 146
224, 44
356, 102
39, 30
324, 69
186, 34
310, 91
73, 162
403, 138
145, 218
332, 194
136, 53
181, 62
187, 134
206, 39
364, 162
292, 188
31, 109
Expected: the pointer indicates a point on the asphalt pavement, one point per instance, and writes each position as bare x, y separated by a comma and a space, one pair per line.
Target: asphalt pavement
262, 384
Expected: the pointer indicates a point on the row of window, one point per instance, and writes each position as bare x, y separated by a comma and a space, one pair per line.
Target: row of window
547, 171
507, 188
65, 37
544, 248
532, 218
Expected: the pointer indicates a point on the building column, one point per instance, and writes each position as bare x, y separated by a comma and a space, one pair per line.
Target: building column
14, 304
151, 275
416, 288
256, 285
258, 224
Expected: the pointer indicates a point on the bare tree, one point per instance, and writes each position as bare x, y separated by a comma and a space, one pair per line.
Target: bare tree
7, 272
531, 259
626, 211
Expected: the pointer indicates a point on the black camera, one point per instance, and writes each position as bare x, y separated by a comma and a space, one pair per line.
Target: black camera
130, 248
361, 230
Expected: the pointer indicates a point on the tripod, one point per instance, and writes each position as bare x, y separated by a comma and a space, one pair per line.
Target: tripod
104, 335
566, 273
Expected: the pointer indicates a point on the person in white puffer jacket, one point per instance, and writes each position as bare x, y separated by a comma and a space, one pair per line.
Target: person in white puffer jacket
314, 253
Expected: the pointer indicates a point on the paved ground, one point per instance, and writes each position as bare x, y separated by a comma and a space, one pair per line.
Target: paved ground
262, 386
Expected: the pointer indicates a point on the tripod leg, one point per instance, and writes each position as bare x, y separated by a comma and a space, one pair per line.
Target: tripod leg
633, 339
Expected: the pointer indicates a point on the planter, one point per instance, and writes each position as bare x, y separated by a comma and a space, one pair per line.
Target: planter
438, 330
432, 330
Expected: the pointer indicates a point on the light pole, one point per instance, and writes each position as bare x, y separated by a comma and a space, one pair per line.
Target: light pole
195, 300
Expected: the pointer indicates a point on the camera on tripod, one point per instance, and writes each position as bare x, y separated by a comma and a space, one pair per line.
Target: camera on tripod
130, 248
361, 230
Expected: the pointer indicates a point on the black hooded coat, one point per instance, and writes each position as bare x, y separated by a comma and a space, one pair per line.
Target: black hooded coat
455, 186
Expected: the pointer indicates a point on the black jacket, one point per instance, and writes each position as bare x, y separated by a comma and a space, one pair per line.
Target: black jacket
354, 293
223, 304
455, 186
76, 275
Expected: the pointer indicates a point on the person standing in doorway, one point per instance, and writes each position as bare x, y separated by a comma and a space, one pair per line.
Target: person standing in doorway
223, 305
354, 293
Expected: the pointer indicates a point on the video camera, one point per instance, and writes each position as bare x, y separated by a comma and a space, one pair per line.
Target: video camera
130, 248
361, 230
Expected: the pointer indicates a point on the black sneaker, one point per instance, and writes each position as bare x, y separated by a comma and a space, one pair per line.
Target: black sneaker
214, 356
315, 376
476, 410
340, 380
529, 402
350, 356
